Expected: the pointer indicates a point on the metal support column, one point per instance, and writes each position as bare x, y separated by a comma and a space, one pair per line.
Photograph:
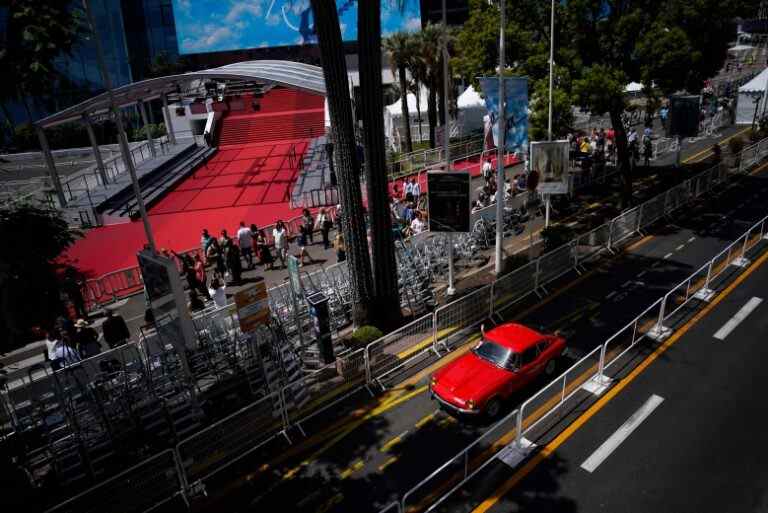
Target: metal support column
501, 145
168, 120
447, 144
145, 120
95, 147
46, 149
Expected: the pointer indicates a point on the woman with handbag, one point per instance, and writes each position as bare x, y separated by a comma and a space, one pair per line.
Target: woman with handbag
325, 224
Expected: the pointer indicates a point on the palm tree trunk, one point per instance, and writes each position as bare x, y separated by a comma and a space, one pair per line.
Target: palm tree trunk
418, 108
432, 112
441, 87
622, 156
406, 114
386, 297
345, 154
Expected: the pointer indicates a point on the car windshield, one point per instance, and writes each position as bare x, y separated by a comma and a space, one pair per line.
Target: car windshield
499, 356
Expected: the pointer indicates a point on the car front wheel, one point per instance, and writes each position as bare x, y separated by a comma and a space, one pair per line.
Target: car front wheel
492, 408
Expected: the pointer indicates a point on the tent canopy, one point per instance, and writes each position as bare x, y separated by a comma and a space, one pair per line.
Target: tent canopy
470, 99
396, 109
757, 84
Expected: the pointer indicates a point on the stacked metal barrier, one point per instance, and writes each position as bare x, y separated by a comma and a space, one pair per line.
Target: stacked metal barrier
330, 386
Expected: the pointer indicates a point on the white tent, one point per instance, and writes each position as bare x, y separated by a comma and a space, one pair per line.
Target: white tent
471, 110
393, 115
633, 88
752, 98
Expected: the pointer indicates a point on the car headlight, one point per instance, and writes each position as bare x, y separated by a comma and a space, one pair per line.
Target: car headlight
471, 404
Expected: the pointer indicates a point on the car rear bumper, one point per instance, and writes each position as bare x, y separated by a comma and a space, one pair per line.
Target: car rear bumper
453, 407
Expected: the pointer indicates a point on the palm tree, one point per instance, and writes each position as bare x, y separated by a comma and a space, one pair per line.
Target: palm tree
431, 39
398, 47
418, 71
345, 155
386, 301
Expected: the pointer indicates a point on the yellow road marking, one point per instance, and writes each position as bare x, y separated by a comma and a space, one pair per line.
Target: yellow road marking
354, 467
708, 151
387, 463
425, 420
393, 442
354, 425
552, 446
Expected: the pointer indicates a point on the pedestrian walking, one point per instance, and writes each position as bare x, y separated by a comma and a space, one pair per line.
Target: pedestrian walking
647, 151
218, 292
64, 354
245, 240
72, 286
206, 240
115, 330
340, 247
234, 264
487, 169
216, 256
86, 339
309, 224
416, 189
280, 236
303, 239
52, 341
265, 255
324, 223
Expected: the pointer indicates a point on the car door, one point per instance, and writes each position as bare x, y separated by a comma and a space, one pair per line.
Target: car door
529, 365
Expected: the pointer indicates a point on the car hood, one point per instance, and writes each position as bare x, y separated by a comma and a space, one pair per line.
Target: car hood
470, 377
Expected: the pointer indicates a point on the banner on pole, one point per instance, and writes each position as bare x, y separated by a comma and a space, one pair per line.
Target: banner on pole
516, 93
550, 160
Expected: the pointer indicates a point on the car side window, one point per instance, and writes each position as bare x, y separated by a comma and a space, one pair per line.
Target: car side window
529, 356
543, 345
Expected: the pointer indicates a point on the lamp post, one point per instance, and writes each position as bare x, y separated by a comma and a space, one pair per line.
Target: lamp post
447, 140
122, 138
551, 80
501, 144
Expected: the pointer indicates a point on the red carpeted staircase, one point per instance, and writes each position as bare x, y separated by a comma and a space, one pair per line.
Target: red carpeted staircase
259, 127
282, 114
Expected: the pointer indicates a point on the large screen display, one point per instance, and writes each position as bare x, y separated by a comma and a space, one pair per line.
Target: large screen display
220, 25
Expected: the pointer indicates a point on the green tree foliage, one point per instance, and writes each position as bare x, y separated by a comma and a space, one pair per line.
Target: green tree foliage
29, 270
38, 33
399, 48
674, 44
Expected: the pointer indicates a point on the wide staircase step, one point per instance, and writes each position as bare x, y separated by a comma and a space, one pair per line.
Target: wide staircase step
264, 128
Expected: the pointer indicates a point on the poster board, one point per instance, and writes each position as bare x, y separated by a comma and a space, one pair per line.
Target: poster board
252, 305
550, 160
449, 194
684, 115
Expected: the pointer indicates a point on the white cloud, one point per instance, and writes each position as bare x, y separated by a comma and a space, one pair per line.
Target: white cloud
272, 20
238, 9
263, 44
210, 40
413, 24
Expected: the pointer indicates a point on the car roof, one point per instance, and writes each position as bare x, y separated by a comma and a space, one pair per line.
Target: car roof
515, 336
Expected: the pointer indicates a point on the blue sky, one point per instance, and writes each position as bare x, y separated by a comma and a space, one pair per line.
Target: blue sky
218, 25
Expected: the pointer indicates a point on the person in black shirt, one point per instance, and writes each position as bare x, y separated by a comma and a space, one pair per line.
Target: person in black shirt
115, 330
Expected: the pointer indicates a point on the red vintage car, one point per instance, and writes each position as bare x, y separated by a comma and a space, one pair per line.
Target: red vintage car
506, 359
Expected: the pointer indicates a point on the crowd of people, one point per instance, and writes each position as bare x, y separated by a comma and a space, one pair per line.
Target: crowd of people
69, 342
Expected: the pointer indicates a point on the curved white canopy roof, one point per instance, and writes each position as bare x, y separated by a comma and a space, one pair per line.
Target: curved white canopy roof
292, 74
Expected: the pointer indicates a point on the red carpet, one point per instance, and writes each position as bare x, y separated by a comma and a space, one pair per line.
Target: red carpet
249, 179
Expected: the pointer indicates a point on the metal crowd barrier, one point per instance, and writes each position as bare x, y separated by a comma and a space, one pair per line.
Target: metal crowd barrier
357, 370
656, 322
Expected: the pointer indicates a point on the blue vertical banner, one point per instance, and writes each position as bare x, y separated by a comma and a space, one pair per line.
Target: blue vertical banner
516, 91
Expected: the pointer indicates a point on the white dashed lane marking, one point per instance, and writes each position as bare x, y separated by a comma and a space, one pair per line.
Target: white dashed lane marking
667, 256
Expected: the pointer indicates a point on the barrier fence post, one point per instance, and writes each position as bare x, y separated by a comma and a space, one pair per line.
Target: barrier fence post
639, 217
519, 428
743, 261
659, 332
705, 293
367, 360
434, 333
610, 235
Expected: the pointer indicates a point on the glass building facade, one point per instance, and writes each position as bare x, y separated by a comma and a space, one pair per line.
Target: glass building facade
150, 33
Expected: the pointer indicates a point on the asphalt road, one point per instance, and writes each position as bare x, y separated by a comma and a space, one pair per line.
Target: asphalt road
701, 449
374, 455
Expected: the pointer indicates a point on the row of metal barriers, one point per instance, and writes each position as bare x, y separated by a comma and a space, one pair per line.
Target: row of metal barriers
277, 414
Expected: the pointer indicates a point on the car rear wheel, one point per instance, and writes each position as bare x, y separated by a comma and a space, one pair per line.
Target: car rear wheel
551, 367
492, 408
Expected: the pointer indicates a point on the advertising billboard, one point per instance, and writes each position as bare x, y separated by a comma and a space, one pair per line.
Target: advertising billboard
550, 161
516, 92
684, 115
449, 196
220, 25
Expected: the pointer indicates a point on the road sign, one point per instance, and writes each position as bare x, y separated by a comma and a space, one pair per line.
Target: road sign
252, 305
449, 201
